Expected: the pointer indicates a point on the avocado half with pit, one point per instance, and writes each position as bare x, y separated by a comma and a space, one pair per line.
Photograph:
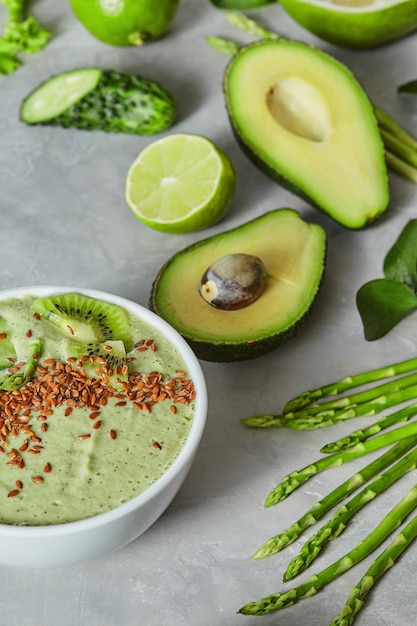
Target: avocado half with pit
304, 119
293, 252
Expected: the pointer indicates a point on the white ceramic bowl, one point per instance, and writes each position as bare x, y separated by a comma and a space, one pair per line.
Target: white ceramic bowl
85, 540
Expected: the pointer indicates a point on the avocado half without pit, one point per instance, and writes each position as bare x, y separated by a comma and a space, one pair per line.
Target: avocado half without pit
303, 118
263, 277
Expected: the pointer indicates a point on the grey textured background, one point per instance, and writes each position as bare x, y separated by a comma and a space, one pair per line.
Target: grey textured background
64, 221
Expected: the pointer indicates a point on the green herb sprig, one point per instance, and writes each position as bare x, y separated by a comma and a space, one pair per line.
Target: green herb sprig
22, 33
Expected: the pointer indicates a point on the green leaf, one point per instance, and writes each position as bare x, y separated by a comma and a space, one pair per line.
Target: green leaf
382, 304
408, 89
8, 63
400, 264
240, 5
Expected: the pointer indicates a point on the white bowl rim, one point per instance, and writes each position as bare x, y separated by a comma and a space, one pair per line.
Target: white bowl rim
197, 428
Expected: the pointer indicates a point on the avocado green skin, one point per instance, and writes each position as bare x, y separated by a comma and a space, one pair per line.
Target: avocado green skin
222, 352
355, 30
120, 103
245, 351
276, 175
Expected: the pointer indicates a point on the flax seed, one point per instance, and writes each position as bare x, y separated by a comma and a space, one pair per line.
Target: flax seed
47, 468
37, 479
113, 434
13, 492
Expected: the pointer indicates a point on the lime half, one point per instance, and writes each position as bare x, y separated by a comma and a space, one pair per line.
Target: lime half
355, 23
180, 183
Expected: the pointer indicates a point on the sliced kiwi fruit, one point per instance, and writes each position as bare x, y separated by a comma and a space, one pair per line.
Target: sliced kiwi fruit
84, 319
104, 359
7, 349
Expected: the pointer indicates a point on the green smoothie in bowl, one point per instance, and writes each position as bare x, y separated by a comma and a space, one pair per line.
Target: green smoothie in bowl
96, 405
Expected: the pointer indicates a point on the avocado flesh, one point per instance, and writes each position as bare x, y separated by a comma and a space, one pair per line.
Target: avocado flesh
303, 118
293, 252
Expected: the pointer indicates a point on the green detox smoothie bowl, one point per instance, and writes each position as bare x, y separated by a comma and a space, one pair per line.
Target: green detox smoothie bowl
102, 408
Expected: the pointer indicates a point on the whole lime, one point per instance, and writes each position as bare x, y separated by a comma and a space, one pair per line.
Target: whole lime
125, 22
357, 24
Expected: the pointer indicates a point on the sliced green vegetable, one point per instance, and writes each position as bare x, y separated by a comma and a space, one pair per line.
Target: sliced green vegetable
95, 99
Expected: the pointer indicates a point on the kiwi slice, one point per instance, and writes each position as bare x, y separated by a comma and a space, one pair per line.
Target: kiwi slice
108, 358
84, 319
7, 349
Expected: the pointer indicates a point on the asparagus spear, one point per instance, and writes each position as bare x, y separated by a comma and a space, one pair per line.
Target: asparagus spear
250, 26
317, 417
338, 522
396, 164
403, 415
295, 479
279, 542
382, 563
396, 146
386, 122
316, 582
367, 402
225, 46
364, 410
350, 382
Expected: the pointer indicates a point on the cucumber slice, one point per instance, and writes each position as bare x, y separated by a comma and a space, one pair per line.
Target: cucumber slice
57, 94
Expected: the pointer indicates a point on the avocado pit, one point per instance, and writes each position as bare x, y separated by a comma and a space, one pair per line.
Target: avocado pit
233, 281
297, 105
